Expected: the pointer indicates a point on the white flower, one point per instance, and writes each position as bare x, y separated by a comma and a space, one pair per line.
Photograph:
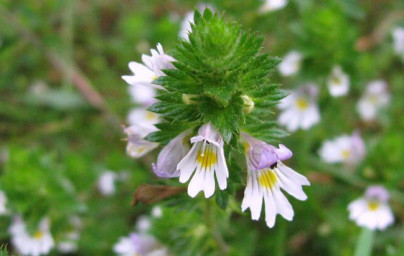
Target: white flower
106, 183
204, 160
372, 210
137, 146
338, 82
398, 41
143, 224
139, 245
144, 95
157, 212
39, 243
273, 5
375, 98
144, 120
290, 64
151, 70
171, 155
3, 202
299, 109
348, 149
142, 123
267, 175
189, 19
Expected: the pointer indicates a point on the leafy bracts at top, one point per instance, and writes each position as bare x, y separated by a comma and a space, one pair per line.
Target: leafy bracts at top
220, 77
218, 98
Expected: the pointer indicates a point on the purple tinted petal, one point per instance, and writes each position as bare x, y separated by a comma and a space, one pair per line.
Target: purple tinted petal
170, 156
268, 158
377, 192
283, 152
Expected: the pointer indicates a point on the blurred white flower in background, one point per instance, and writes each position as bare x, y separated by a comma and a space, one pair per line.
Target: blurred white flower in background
375, 98
106, 183
398, 41
290, 64
338, 82
273, 5
372, 211
139, 245
143, 224
157, 211
145, 74
299, 109
347, 149
39, 243
3, 202
189, 19
69, 243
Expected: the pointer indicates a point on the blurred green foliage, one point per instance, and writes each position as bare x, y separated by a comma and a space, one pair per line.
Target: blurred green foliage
54, 143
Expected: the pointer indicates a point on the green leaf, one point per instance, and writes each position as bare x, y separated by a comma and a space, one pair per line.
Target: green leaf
222, 199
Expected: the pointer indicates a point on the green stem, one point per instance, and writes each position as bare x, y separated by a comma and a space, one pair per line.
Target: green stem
280, 243
365, 243
217, 236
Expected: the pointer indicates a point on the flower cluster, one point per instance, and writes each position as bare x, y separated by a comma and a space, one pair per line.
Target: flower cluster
215, 111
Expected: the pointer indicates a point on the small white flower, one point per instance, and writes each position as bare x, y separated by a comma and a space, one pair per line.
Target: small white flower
39, 243
144, 120
347, 149
189, 19
143, 224
145, 74
139, 245
290, 64
204, 160
106, 183
372, 210
375, 98
3, 202
171, 155
299, 109
273, 5
398, 41
267, 175
137, 146
157, 212
142, 123
338, 82
144, 95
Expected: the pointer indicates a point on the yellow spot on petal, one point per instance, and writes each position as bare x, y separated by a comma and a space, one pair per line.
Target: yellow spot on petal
336, 81
38, 235
154, 78
206, 159
150, 116
140, 150
268, 178
302, 104
246, 147
346, 153
373, 205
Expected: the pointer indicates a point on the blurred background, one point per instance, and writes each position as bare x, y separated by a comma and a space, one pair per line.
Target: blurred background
63, 104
